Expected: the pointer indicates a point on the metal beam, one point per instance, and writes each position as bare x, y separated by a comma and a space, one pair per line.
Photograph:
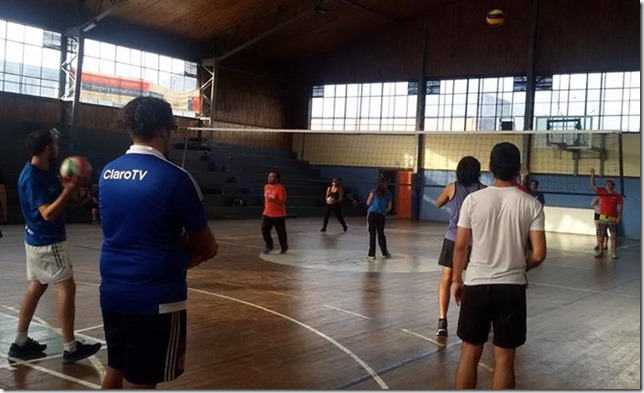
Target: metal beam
369, 11
261, 37
77, 85
92, 23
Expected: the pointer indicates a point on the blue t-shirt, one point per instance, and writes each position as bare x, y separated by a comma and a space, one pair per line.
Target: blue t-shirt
145, 203
37, 188
379, 204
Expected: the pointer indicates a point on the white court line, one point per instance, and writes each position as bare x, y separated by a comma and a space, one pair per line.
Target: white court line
586, 290
437, 343
100, 369
348, 312
54, 373
57, 330
344, 349
485, 366
89, 328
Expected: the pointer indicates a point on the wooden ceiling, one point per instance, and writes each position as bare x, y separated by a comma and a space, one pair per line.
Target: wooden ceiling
274, 31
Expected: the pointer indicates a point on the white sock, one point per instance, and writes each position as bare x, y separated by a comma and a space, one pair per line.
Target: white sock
21, 339
70, 347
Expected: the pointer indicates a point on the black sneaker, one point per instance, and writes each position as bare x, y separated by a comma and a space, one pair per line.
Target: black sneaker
82, 351
266, 250
442, 328
283, 251
31, 347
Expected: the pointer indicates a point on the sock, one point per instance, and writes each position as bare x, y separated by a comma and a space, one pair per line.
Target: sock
21, 339
70, 347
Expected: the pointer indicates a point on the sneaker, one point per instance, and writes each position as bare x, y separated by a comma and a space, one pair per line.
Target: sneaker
613, 255
371, 257
442, 328
323, 230
31, 347
599, 253
283, 250
596, 248
345, 228
82, 351
386, 255
266, 250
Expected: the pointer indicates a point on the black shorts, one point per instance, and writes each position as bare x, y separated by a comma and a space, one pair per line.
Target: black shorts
447, 254
596, 216
501, 305
148, 349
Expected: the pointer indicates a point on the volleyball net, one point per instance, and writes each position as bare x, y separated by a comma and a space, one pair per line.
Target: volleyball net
560, 160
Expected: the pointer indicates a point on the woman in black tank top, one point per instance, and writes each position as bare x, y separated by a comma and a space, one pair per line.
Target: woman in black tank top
333, 199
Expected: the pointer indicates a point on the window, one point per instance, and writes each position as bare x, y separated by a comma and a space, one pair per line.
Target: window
474, 104
604, 101
113, 75
389, 106
29, 60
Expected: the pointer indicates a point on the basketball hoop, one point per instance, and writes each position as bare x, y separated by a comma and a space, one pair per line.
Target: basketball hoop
558, 148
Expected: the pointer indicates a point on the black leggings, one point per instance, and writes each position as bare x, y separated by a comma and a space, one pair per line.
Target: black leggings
337, 210
376, 225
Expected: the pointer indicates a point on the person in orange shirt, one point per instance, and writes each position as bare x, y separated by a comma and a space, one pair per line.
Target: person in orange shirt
274, 213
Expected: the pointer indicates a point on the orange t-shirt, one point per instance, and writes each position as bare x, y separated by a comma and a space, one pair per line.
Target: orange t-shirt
273, 209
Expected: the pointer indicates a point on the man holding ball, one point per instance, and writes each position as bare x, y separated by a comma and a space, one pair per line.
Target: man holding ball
154, 228
42, 202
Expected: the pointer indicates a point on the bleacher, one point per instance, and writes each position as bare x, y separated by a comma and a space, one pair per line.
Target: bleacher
231, 177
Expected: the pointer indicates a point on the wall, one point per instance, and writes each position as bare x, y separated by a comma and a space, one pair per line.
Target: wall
573, 36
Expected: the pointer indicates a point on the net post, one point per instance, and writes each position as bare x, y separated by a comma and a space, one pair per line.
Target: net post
620, 153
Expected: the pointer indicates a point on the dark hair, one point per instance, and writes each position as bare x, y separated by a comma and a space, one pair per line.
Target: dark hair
468, 170
143, 116
37, 142
278, 177
381, 187
609, 181
505, 161
535, 181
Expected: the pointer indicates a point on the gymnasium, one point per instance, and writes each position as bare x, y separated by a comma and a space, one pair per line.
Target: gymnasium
354, 90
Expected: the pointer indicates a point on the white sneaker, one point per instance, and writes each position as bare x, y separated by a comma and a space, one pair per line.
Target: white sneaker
613, 255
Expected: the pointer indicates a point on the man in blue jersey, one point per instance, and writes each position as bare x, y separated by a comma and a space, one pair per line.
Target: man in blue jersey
42, 201
155, 228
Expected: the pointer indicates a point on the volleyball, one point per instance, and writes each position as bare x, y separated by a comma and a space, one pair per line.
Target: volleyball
495, 17
330, 200
75, 166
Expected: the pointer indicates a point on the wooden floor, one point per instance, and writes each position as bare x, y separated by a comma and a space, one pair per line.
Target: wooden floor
323, 317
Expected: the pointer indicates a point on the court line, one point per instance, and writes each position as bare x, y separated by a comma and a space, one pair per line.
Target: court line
586, 290
52, 372
437, 343
98, 366
346, 311
89, 328
344, 349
